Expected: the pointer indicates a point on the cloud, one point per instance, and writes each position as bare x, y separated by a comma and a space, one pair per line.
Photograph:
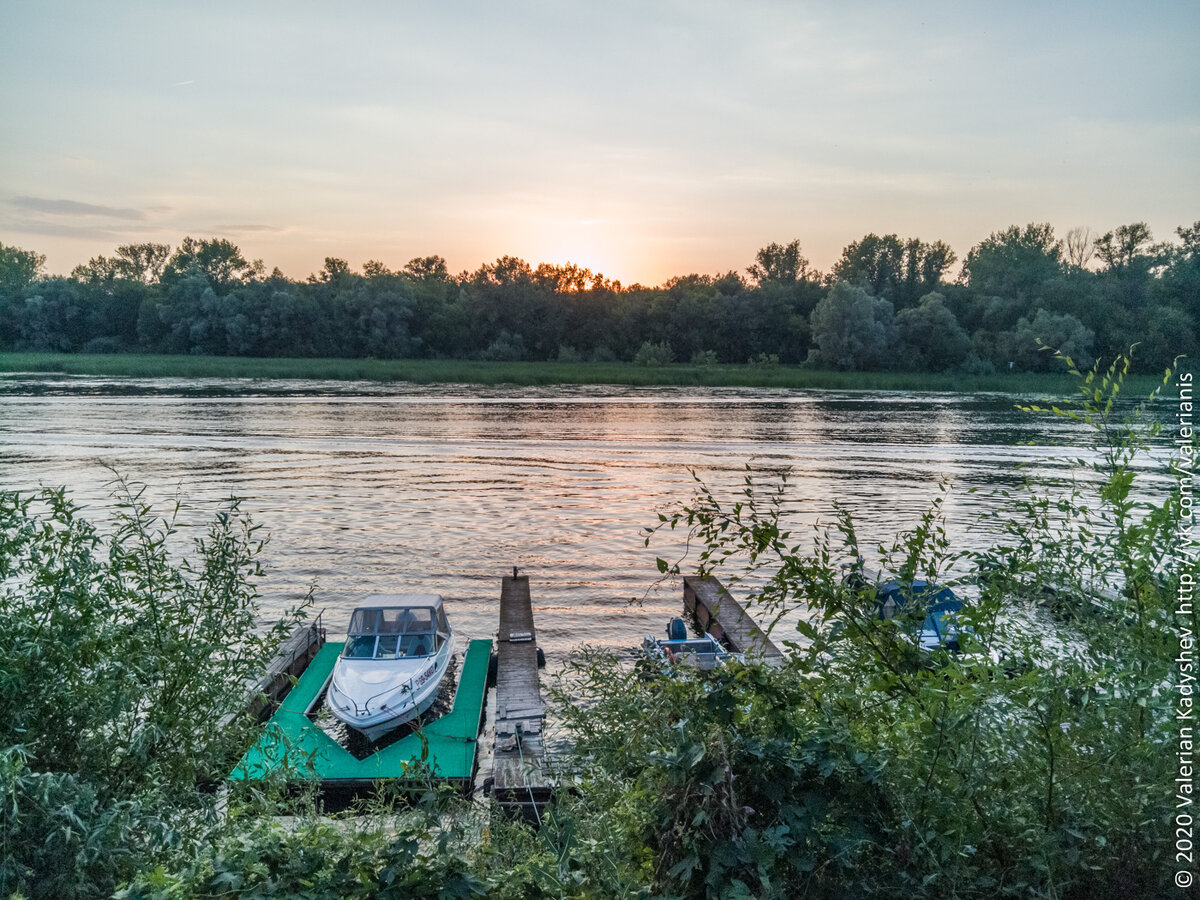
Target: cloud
60, 229
244, 229
76, 208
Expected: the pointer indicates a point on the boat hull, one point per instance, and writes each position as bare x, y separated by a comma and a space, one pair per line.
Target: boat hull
695, 653
376, 720
375, 732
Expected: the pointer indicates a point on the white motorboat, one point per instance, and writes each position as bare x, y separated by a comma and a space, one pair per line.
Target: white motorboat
398, 648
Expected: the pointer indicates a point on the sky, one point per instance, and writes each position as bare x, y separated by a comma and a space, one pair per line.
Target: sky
641, 140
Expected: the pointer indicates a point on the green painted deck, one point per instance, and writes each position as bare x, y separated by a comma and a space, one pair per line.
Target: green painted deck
292, 741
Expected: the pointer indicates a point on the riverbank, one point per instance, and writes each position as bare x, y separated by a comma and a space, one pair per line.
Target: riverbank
449, 371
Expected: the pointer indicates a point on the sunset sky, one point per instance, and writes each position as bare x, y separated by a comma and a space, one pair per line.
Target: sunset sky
641, 140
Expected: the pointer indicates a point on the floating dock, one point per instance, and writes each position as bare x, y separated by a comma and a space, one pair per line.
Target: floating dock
294, 742
719, 614
519, 781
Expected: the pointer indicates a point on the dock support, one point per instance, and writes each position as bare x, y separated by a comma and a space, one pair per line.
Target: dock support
722, 616
519, 782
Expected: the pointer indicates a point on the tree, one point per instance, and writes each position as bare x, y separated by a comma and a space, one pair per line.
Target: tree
373, 268
217, 260
1129, 261
144, 262
777, 264
191, 319
1189, 239
874, 263
1169, 333
1079, 247
924, 266
133, 262
1063, 333
18, 269
1015, 262
97, 270
427, 267
896, 270
1121, 250
852, 329
930, 338
379, 315
335, 272
567, 279
52, 318
504, 297
1181, 274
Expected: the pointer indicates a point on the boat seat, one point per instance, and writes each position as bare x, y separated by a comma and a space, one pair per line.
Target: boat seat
414, 645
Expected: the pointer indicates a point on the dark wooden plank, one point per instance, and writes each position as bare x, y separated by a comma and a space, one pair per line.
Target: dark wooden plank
722, 616
292, 658
518, 760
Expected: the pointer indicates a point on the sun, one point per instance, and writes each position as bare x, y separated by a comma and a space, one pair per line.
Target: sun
587, 243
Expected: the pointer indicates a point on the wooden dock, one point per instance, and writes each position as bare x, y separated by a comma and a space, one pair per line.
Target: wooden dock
1093, 599
263, 694
519, 781
718, 613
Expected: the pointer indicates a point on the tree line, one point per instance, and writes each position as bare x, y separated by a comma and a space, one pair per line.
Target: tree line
887, 303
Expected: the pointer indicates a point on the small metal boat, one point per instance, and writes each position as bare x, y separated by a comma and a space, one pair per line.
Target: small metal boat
680, 650
398, 648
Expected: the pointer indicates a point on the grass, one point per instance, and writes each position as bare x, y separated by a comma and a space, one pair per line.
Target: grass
435, 371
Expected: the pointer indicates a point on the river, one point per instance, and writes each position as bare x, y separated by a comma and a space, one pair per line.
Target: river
375, 488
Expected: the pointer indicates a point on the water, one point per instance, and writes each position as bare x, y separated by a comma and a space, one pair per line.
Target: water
378, 488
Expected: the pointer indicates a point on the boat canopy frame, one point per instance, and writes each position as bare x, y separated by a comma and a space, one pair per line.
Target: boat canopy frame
396, 632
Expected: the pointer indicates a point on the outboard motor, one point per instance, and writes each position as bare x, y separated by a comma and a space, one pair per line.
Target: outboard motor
676, 630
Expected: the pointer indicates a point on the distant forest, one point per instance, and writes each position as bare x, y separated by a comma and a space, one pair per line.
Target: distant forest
888, 303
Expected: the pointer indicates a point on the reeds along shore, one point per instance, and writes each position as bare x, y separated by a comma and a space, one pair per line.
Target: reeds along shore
425, 371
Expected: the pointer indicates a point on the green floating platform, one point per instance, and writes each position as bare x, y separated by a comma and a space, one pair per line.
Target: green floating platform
292, 741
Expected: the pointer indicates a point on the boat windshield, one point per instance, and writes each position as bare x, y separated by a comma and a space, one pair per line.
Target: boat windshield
402, 632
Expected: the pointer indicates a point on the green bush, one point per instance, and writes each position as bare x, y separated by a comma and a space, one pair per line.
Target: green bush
412, 856
651, 354
763, 361
120, 657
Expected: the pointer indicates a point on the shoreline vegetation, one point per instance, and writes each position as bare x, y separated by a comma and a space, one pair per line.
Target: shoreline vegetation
451, 371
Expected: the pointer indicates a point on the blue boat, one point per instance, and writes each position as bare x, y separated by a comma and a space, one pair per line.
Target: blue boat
940, 628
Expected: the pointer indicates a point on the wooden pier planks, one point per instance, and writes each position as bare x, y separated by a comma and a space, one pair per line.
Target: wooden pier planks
293, 657
519, 779
719, 614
